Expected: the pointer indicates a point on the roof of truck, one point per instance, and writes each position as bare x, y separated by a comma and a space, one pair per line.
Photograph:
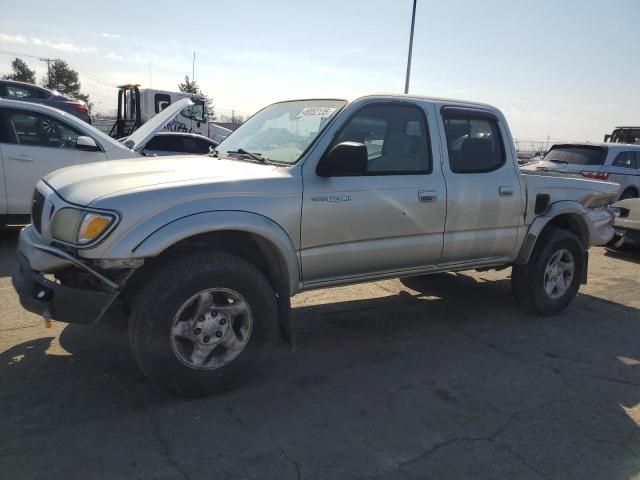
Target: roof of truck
427, 98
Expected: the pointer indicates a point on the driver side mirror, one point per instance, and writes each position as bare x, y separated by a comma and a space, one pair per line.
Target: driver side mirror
346, 159
86, 144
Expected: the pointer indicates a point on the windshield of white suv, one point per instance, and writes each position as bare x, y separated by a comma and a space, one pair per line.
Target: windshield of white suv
281, 132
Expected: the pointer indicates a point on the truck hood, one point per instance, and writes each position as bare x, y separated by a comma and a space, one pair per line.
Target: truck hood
84, 184
138, 139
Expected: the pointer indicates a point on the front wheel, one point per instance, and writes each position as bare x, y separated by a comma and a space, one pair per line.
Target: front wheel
552, 277
202, 323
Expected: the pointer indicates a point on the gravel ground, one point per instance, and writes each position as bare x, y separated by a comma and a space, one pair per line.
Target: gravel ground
438, 377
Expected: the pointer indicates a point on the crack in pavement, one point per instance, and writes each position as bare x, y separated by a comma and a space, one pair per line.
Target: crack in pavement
489, 438
164, 443
289, 459
564, 380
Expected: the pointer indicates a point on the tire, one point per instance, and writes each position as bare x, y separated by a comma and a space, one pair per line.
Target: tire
528, 281
164, 320
629, 193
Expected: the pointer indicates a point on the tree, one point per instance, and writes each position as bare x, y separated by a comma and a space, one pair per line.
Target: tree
63, 78
191, 86
21, 72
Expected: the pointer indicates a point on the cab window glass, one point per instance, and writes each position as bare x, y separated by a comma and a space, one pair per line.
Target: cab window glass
194, 112
396, 138
474, 144
34, 129
161, 101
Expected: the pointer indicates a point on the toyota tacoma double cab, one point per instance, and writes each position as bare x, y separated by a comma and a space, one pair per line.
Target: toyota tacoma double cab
204, 254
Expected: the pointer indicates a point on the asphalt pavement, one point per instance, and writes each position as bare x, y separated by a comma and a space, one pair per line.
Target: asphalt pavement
440, 377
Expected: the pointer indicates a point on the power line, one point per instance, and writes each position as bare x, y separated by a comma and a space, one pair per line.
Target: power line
48, 60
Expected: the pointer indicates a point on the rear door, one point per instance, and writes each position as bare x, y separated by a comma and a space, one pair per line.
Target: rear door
36, 145
625, 170
485, 202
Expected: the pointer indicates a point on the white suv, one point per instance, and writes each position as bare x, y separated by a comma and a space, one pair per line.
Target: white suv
614, 162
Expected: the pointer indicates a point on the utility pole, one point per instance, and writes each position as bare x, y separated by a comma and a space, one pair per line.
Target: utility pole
413, 22
193, 68
48, 61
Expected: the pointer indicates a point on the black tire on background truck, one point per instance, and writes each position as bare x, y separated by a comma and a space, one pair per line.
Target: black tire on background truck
201, 323
551, 278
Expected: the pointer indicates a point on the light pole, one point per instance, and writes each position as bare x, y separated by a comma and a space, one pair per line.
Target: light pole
413, 22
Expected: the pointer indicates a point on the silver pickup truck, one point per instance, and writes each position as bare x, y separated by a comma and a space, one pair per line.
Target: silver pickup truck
204, 254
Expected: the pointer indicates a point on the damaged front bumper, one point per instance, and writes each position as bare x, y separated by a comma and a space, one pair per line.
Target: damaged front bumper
51, 299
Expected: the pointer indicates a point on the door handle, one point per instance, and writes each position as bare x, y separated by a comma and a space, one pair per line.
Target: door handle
505, 191
426, 196
22, 158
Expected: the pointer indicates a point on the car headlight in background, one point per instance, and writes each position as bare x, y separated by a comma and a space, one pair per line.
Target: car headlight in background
79, 227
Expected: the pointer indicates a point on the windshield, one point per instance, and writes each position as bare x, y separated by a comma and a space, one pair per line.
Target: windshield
282, 131
576, 154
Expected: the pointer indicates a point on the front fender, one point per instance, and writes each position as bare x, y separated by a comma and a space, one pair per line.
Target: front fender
151, 244
595, 226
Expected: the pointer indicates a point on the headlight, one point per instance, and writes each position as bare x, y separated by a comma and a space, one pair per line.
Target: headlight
79, 227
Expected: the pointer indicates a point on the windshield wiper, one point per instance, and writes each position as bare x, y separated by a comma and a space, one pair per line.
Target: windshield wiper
256, 156
563, 162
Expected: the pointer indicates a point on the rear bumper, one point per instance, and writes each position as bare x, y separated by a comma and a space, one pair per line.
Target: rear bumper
58, 302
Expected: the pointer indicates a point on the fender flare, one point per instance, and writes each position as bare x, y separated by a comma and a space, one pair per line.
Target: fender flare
157, 241
565, 207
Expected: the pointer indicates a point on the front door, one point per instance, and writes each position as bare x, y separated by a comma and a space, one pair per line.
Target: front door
391, 217
485, 202
36, 145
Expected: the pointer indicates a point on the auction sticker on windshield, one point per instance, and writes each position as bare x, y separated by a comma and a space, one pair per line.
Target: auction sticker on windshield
322, 112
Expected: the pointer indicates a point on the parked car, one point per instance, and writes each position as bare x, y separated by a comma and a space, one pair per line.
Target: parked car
614, 162
627, 224
218, 133
174, 143
27, 92
306, 194
36, 140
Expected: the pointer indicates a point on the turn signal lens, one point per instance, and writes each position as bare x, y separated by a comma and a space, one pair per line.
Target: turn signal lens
93, 225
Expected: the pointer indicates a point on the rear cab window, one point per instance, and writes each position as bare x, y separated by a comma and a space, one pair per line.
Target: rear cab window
474, 142
577, 155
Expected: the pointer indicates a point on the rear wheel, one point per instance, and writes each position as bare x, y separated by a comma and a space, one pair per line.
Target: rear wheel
202, 323
552, 277
629, 193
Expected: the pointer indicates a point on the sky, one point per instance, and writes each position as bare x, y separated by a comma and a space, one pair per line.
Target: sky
558, 69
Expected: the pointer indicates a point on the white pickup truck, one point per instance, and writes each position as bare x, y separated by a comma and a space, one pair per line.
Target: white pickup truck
205, 253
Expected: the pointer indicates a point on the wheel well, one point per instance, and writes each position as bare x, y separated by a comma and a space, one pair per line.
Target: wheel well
253, 248
571, 223
630, 189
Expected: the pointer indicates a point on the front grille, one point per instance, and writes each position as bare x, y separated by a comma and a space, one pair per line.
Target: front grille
37, 204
